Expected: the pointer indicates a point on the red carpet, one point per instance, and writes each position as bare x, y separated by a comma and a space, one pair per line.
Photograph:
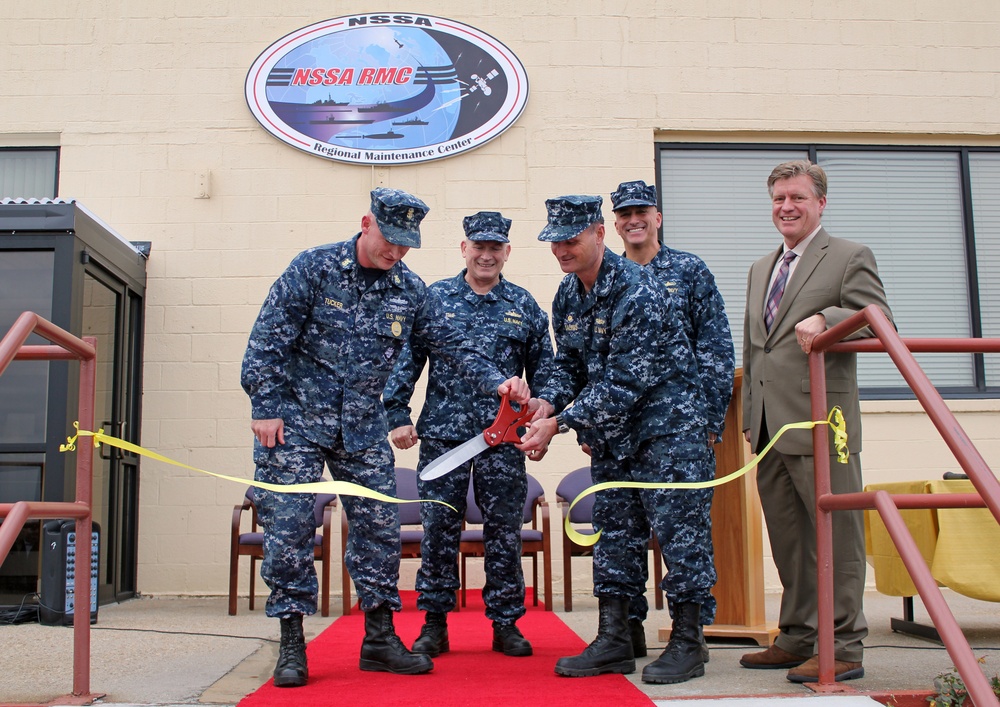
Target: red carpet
469, 676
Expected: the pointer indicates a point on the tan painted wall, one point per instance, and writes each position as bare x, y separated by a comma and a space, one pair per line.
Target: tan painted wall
148, 107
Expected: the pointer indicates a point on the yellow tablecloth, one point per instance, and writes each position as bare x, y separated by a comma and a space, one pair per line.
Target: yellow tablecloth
961, 545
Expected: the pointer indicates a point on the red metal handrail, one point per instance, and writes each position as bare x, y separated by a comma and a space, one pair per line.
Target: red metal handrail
64, 347
988, 486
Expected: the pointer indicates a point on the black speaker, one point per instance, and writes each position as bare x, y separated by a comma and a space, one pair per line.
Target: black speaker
56, 603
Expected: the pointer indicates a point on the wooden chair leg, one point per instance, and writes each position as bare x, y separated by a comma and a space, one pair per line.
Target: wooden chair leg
534, 578
234, 574
253, 579
548, 582
463, 579
325, 600
657, 572
567, 575
345, 576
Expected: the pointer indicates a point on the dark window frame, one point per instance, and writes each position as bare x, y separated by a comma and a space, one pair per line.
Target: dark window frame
55, 177
980, 389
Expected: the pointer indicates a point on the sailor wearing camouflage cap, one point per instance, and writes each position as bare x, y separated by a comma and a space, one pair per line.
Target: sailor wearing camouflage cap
485, 249
487, 226
633, 194
569, 216
637, 220
626, 381
701, 311
505, 322
321, 350
575, 229
398, 215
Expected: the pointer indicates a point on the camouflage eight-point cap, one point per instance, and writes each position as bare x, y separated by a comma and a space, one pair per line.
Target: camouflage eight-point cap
633, 194
569, 216
398, 215
487, 226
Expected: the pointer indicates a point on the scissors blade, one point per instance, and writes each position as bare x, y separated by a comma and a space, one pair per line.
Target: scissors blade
454, 457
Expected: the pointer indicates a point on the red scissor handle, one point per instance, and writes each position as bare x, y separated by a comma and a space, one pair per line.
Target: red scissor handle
504, 427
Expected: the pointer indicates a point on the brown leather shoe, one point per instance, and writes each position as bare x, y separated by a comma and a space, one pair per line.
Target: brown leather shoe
773, 658
842, 670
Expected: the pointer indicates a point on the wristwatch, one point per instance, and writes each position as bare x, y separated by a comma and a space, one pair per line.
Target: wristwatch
561, 425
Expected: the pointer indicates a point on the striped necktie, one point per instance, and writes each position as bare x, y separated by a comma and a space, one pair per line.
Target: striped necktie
777, 290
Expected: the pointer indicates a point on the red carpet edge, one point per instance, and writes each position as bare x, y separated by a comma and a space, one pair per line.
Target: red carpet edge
470, 674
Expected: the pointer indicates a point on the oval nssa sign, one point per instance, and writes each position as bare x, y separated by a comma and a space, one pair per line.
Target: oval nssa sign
386, 88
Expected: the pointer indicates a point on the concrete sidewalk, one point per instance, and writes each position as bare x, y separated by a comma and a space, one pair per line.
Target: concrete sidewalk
183, 651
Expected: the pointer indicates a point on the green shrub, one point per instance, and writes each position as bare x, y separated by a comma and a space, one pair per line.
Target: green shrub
951, 690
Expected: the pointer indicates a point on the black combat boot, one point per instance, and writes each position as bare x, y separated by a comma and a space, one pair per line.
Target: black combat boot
382, 651
508, 639
638, 635
291, 670
682, 659
610, 651
433, 638
705, 656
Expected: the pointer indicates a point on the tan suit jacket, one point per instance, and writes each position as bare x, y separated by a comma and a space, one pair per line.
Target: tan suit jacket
836, 278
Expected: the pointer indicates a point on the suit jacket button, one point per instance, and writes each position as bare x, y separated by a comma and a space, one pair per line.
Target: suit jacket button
767, 349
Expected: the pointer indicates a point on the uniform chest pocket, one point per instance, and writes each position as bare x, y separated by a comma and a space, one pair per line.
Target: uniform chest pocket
394, 325
391, 332
510, 343
600, 342
571, 337
511, 335
600, 335
598, 348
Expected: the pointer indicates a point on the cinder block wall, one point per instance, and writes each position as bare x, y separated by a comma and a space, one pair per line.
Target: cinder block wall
147, 105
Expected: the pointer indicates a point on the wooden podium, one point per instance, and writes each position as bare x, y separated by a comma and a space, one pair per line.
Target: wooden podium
738, 539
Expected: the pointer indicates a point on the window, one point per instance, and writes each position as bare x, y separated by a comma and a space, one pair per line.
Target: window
26, 279
984, 176
29, 173
931, 216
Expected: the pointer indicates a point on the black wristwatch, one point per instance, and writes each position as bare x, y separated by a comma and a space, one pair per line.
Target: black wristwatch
561, 425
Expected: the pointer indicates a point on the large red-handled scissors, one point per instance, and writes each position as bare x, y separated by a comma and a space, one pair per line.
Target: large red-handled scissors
508, 426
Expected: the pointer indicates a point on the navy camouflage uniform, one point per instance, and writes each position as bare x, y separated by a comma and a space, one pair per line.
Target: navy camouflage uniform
510, 328
319, 355
702, 311
624, 362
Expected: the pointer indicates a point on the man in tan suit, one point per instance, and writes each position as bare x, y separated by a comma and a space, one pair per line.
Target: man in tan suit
812, 282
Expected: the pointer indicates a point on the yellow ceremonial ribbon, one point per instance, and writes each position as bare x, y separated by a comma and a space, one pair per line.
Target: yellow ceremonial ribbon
343, 488
835, 420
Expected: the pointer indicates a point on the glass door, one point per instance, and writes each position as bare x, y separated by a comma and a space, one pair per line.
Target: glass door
113, 315
25, 286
